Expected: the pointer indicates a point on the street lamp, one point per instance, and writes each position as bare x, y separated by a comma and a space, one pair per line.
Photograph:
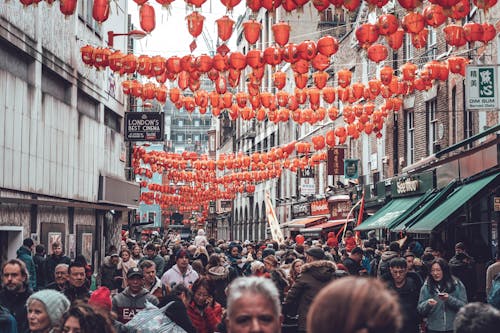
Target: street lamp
135, 34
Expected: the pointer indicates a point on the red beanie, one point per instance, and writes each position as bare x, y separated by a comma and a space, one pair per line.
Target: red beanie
101, 298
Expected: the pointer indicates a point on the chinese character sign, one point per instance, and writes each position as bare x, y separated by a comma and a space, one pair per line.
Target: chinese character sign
481, 87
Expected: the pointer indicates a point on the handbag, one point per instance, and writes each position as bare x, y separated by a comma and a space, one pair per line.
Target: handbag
154, 320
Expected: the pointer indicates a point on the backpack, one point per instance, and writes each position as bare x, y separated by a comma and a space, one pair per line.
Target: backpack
153, 320
494, 295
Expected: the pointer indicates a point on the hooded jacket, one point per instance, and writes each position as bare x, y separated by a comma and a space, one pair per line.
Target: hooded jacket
313, 278
174, 276
126, 305
441, 316
109, 274
24, 254
15, 302
385, 258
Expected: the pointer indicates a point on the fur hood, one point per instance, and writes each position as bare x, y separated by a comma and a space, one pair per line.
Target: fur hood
318, 264
321, 270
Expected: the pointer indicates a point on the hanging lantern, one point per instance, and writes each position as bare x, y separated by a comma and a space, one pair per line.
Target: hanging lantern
320, 78
320, 62
148, 91
454, 35
327, 46
67, 7
329, 94
255, 59
224, 27
320, 5
377, 53
290, 53
408, 70
484, 4
344, 77
144, 65
314, 96
279, 79
281, 31
220, 62
270, 5
251, 30
457, 65
86, 52
129, 63
174, 64
301, 66
419, 40
473, 32
188, 63
367, 34
434, 15
101, 59
301, 80
386, 74
489, 32
460, 10
147, 18
395, 40
100, 10
307, 50
203, 63
196, 3
230, 4
289, 5
164, 3
237, 60
195, 24
272, 56
413, 22
410, 4
115, 61
387, 24
351, 5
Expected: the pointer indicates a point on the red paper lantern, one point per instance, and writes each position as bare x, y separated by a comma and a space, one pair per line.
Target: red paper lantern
489, 32
237, 60
408, 70
457, 65
454, 35
386, 74
387, 24
272, 55
224, 27
410, 4
367, 34
395, 40
147, 18
307, 50
413, 22
327, 46
351, 5
100, 10
279, 79
196, 3
434, 15
289, 5
270, 5
460, 10
320, 5
377, 53
320, 78
281, 31
484, 4
230, 4
473, 31
419, 40
86, 52
290, 53
255, 59
67, 7
344, 77
320, 62
251, 30
195, 23
329, 94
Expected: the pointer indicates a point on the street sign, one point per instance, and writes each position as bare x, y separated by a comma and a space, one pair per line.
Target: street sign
481, 87
144, 126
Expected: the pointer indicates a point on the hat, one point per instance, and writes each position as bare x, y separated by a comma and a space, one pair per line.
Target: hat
114, 255
316, 253
55, 303
134, 272
101, 298
357, 250
181, 253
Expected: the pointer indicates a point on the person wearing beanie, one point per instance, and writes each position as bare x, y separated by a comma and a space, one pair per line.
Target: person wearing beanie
181, 272
45, 310
101, 298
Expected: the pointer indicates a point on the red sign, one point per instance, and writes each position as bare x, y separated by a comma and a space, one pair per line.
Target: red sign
336, 161
319, 207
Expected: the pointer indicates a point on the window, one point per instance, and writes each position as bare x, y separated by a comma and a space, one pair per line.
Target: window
112, 120
454, 112
196, 138
408, 51
180, 122
197, 122
410, 137
432, 126
180, 137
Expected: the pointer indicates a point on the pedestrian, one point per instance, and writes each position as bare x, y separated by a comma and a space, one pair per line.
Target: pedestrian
16, 291
407, 285
83, 318
349, 241
201, 239
218, 275
24, 253
253, 305
181, 272
100, 299
57, 257
178, 300
462, 267
111, 276
315, 275
61, 278
39, 260
125, 264
151, 281
295, 270
151, 255
205, 313
45, 310
77, 288
332, 241
133, 299
360, 305
492, 271
386, 257
372, 240
136, 253
7, 321
277, 275
353, 262
477, 317
441, 296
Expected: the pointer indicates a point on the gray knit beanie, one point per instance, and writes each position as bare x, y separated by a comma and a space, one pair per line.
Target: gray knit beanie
55, 303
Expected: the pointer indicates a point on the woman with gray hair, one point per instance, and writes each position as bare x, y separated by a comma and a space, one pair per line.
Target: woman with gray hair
45, 310
253, 305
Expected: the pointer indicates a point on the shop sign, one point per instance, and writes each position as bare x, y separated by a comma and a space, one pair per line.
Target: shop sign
351, 168
225, 206
340, 209
144, 126
497, 204
307, 172
319, 207
335, 162
481, 90
411, 185
407, 185
307, 186
301, 209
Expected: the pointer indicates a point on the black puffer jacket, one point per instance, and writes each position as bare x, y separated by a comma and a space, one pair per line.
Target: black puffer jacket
313, 278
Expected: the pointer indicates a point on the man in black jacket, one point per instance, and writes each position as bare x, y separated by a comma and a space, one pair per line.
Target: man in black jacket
39, 259
16, 291
407, 285
77, 288
57, 257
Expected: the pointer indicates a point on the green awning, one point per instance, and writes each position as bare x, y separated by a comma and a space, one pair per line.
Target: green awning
454, 202
422, 200
387, 214
435, 200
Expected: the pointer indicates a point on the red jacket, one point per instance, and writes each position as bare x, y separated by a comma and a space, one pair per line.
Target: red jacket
332, 242
206, 323
350, 243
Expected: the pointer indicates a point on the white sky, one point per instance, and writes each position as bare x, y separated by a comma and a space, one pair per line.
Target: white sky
171, 36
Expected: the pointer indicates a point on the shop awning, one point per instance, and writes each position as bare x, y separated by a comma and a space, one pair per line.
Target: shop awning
387, 214
418, 204
302, 222
322, 226
454, 202
435, 200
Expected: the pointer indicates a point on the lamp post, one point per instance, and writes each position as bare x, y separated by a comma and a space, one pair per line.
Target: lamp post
135, 34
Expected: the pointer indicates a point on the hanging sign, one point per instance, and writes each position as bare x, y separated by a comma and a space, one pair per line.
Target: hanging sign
481, 87
144, 126
351, 168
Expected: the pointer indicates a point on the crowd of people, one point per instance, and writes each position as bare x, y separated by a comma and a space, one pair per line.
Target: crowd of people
207, 286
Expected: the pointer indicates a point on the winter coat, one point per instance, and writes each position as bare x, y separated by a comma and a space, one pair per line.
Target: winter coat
159, 263
385, 258
205, 321
109, 275
7, 321
39, 261
278, 276
174, 276
313, 278
178, 313
50, 266
408, 300
126, 305
350, 243
16, 304
462, 267
24, 254
77, 293
219, 277
440, 317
